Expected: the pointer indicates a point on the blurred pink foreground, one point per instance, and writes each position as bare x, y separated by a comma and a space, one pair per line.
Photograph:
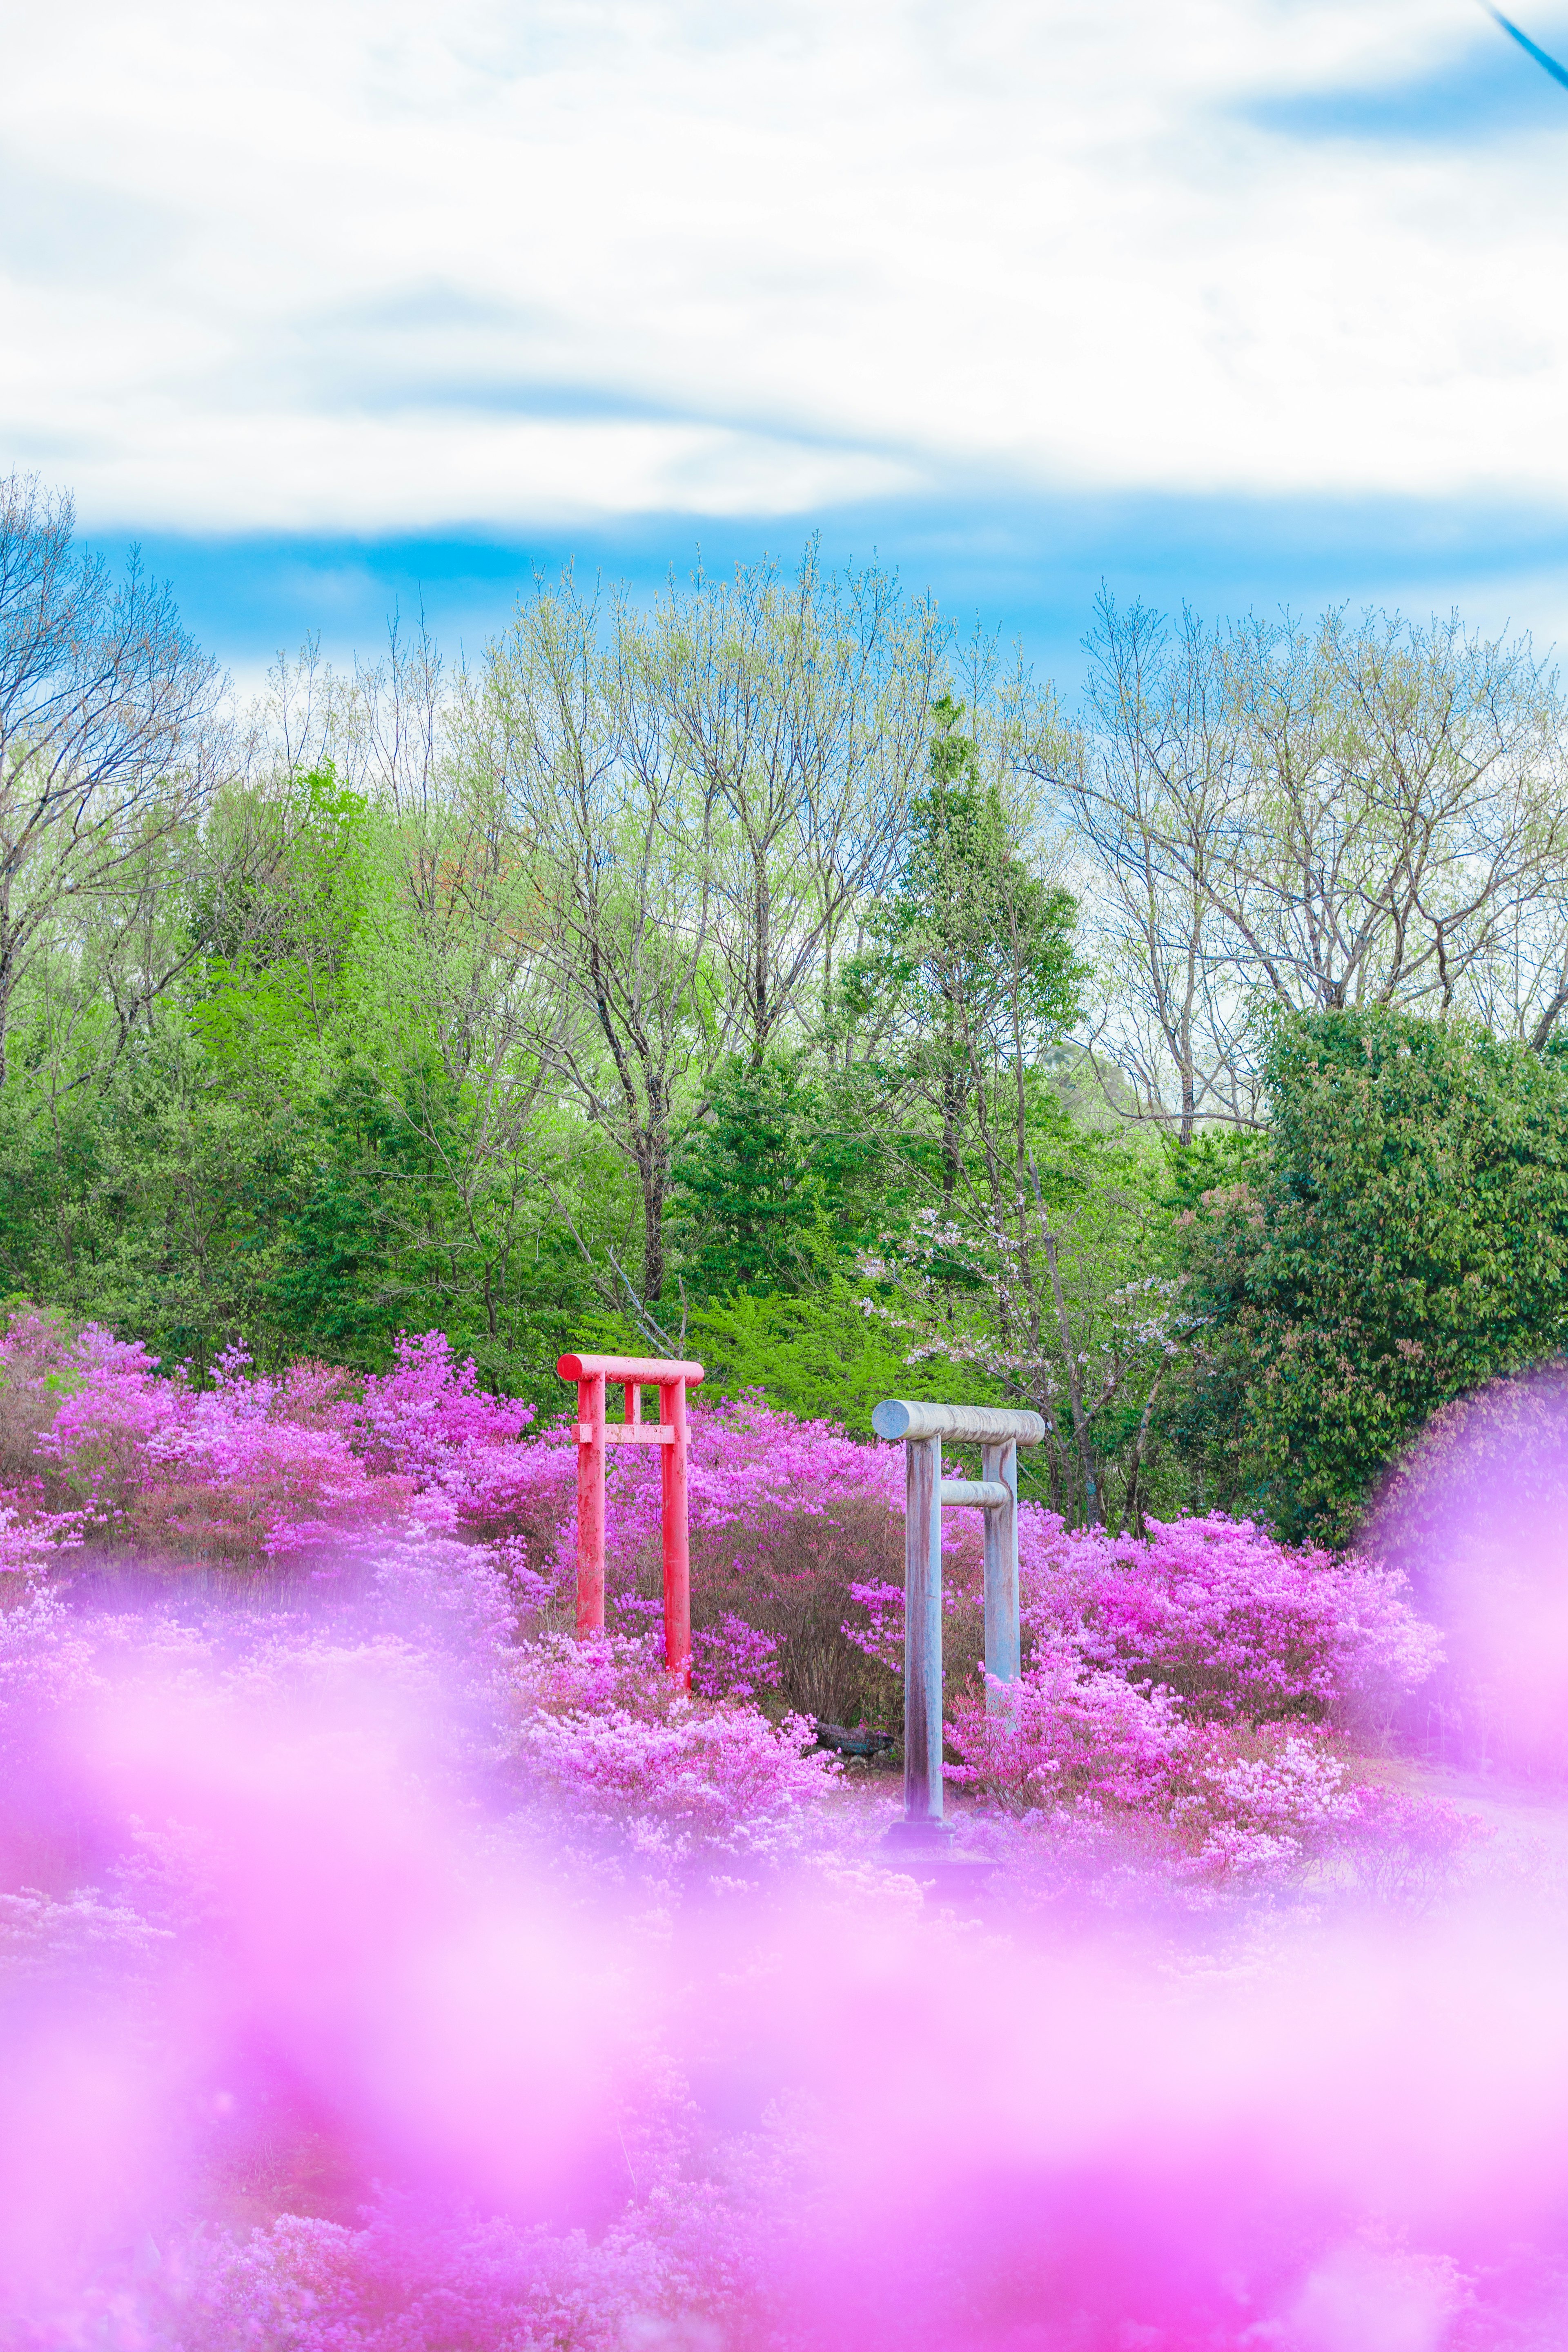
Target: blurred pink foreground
383, 1970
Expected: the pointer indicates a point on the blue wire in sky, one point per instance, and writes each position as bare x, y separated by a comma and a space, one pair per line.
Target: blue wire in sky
1558, 73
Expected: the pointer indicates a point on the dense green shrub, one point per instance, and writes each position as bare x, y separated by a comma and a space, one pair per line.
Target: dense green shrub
1402, 1237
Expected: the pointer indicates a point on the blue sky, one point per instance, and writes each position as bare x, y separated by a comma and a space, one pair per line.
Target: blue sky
1029, 571
343, 307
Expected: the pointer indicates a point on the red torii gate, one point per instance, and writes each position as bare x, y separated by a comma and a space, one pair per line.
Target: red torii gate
594, 1434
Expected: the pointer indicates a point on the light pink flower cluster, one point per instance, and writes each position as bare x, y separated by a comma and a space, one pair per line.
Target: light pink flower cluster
1063, 1736
1200, 1678
1116, 1780
603, 1728
28, 1539
709, 1779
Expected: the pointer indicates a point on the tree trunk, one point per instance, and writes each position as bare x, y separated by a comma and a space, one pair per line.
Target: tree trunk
951, 1106
7, 980
1538, 1036
1070, 1357
762, 1009
1189, 1092
652, 1170
1133, 1513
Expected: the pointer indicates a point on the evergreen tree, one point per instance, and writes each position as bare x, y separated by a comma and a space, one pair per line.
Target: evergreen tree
973, 976
776, 1183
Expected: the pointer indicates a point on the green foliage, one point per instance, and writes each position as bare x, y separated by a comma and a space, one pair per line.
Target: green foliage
1403, 1238
782, 1180
300, 920
1216, 1160
1027, 1251
438, 1032
205, 1194
433, 1020
819, 1355
152, 1203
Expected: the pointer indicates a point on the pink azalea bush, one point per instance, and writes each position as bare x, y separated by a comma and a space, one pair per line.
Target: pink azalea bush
1241, 1625
429, 1410
1259, 1803
28, 1538
1062, 1737
253, 1467
703, 1779
1202, 1680
250, 1469
328, 2054
734, 1659
1113, 1769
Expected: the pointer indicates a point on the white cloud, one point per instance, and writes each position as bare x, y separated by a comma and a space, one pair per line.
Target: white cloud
338, 266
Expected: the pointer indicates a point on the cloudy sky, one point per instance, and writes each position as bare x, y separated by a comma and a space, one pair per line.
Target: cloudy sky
333, 306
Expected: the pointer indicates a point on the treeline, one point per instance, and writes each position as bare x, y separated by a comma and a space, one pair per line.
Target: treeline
774, 974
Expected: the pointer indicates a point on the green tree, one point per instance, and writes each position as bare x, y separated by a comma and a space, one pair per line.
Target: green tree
1403, 1238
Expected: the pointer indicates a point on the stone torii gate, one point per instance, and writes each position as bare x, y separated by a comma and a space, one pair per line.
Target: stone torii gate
668, 1432
999, 1434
